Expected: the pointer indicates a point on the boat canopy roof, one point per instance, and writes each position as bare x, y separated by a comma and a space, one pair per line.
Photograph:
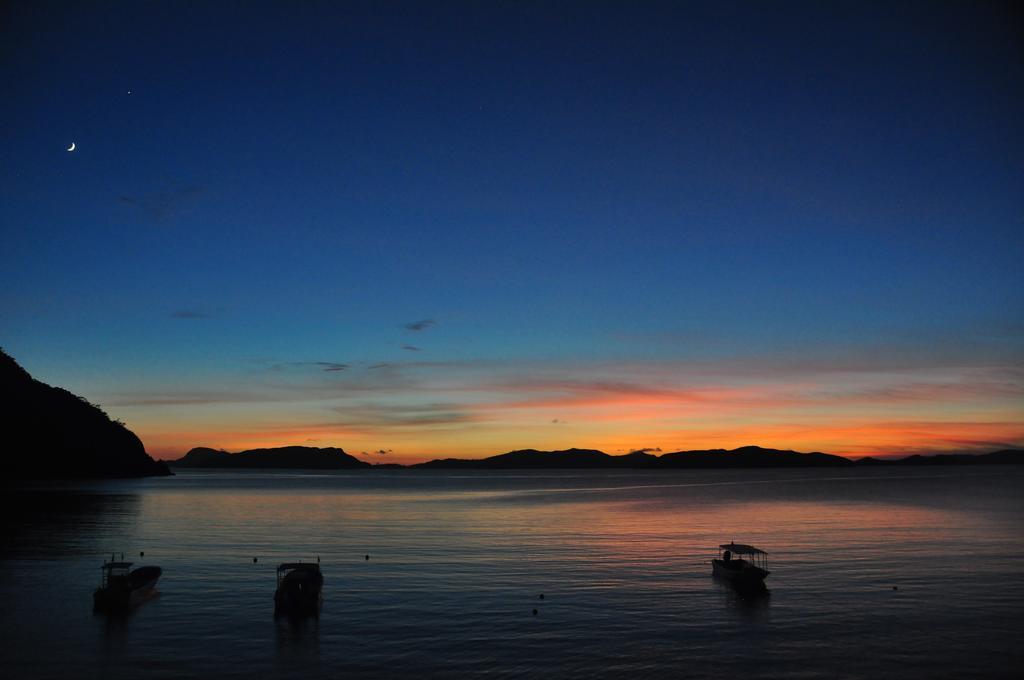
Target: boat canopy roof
299, 565
740, 549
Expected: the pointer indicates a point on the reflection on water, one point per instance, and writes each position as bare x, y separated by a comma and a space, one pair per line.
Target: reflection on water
749, 600
114, 630
297, 637
458, 563
298, 646
36, 521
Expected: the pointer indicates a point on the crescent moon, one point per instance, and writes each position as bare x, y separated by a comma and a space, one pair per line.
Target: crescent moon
72, 147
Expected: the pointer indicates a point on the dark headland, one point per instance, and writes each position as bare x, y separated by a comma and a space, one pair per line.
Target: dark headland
51, 433
302, 457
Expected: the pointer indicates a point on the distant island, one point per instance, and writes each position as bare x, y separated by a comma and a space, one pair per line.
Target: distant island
747, 456
287, 457
303, 457
743, 457
51, 433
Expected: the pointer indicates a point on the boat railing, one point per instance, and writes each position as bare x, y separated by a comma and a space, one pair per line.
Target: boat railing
114, 569
288, 567
741, 553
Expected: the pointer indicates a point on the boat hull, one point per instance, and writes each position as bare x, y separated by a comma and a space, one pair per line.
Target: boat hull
738, 571
300, 594
126, 592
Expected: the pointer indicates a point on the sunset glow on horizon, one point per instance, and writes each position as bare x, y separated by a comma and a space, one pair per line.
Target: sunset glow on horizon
423, 230
418, 411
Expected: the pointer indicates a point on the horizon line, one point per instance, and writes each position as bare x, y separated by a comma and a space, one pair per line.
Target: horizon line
362, 456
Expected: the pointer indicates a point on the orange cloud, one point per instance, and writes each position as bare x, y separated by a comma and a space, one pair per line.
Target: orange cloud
424, 410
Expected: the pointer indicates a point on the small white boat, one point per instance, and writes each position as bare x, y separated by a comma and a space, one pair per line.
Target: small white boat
732, 566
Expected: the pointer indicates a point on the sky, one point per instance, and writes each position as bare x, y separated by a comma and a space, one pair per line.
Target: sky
420, 230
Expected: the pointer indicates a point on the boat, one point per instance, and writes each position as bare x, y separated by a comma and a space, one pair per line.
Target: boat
122, 587
732, 566
299, 589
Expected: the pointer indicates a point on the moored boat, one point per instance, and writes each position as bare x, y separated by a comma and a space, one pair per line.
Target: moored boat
122, 587
732, 566
299, 589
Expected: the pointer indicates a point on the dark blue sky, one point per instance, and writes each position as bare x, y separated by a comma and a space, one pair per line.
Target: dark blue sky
567, 184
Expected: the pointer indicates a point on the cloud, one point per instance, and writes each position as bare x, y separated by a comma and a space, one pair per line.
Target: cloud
647, 449
846, 407
609, 391
936, 386
411, 348
160, 205
543, 392
665, 386
186, 398
327, 366
377, 416
421, 325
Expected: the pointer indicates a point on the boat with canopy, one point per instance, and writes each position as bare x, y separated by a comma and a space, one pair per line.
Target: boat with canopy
741, 563
122, 587
299, 589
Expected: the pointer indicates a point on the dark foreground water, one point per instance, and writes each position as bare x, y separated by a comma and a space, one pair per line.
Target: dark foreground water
458, 562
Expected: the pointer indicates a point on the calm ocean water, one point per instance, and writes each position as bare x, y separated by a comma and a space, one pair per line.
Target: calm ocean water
458, 562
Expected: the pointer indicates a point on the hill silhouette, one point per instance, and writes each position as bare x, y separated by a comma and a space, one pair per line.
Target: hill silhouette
1002, 457
743, 457
747, 456
304, 457
750, 456
51, 433
285, 457
529, 458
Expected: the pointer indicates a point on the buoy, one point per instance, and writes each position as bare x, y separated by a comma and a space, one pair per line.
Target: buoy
895, 587
534, 612
542, 596
367, 558
254, 560
142, 553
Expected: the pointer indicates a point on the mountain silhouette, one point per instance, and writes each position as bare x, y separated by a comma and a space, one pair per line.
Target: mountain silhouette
51, 433
747, 456
743, 457
1002, 457
529, 458
285, 457
304, 457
